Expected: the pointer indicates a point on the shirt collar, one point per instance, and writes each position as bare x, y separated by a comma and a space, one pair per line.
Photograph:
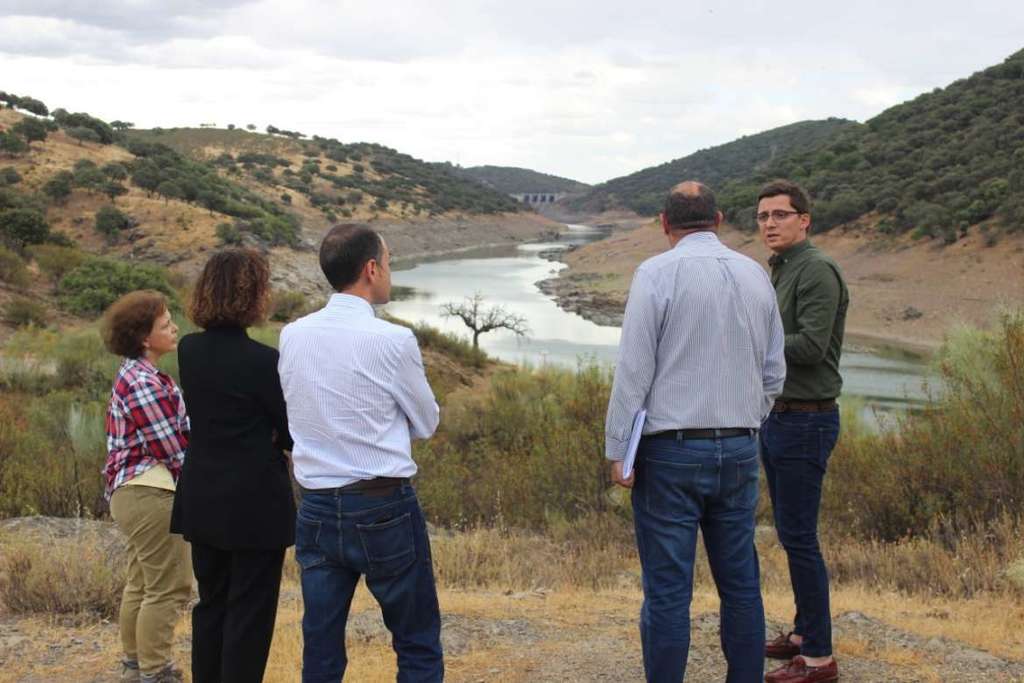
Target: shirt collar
141, 364
701, 237
349, 302
791, 253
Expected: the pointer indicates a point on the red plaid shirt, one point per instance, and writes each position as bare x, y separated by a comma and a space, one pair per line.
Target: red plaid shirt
146, 424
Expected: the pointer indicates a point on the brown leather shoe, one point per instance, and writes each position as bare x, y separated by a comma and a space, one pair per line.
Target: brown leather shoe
781, 647
797, 671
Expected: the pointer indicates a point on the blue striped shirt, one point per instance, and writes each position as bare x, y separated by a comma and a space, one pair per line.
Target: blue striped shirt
356, 393
702, 344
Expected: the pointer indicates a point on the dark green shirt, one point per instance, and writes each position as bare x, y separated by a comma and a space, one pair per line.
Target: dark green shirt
812, 300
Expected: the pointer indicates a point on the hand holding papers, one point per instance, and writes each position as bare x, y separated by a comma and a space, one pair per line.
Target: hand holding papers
634, 443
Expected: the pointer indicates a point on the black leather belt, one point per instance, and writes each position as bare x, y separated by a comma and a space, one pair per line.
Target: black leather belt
680, 434
823, 406
380, 486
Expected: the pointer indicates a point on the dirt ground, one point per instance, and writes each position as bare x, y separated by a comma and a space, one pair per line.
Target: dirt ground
551, 635
536, 636
906, 291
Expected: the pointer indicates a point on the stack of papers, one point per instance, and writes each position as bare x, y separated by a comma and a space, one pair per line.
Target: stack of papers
634, 443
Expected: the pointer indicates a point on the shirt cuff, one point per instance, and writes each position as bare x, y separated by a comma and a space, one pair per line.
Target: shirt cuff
615, 449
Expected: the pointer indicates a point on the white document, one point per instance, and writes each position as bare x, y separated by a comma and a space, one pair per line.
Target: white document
634, 443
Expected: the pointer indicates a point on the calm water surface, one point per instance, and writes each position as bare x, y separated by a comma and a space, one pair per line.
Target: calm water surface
507, 275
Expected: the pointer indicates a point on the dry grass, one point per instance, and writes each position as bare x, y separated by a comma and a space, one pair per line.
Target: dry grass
72, 578
56, 649
565, 593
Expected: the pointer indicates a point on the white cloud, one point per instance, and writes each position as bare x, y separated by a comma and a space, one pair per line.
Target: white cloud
587, 90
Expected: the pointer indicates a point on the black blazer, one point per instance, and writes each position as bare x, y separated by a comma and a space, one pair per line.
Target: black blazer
234, 492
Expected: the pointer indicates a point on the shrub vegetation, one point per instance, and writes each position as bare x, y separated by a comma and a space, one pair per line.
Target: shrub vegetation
88, 289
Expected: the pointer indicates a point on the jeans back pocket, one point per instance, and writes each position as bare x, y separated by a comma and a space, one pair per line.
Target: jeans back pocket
390, 545
307, 543
670, 487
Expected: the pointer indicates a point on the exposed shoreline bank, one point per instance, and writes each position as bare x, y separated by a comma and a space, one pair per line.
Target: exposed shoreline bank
906, 294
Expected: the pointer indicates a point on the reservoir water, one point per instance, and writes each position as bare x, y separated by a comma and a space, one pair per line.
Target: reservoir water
507, 275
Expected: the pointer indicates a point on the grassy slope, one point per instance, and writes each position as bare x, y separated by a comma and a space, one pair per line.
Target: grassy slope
408, 187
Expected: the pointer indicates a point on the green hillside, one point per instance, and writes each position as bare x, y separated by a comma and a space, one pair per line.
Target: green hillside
644, 191
338, 178
938, 164
511, 180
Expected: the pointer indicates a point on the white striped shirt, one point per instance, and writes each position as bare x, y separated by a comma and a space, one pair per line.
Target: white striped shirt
702, 344
356, 394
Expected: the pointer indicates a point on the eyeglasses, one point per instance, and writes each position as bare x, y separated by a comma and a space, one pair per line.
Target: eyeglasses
778, 215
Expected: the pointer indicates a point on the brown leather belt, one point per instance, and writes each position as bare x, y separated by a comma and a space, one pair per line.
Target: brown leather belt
380, 486
680, 434
824, 406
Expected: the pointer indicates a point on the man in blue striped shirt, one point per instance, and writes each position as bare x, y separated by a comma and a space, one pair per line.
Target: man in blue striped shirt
356, 394
702, 352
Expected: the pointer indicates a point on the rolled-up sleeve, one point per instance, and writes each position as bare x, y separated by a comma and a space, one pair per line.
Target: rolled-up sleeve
634, 370
157, 414
412, 392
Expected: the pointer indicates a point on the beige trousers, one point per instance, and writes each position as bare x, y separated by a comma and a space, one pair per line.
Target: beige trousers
159, 581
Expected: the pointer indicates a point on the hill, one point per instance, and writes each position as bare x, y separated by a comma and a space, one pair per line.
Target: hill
116, 205
936, 165
644, 191
511, 180
356, 180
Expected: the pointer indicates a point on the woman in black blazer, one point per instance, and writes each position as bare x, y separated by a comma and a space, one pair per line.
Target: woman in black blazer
234, 499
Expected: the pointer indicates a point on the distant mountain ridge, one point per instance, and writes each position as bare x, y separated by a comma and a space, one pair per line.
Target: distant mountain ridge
512, 180
644, 191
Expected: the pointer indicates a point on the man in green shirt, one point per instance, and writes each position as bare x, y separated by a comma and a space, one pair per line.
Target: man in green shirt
801, 431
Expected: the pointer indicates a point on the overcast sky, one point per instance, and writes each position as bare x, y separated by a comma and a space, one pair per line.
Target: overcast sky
589, 90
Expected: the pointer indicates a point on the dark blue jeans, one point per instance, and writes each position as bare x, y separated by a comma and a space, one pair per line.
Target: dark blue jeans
342, 536
795, 448
680, 485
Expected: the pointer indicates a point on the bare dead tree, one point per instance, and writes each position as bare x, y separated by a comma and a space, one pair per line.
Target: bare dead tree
480, 319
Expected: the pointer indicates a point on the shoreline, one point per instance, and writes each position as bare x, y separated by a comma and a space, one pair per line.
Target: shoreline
571, 294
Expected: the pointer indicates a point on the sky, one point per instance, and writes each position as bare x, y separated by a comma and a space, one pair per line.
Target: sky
587, 90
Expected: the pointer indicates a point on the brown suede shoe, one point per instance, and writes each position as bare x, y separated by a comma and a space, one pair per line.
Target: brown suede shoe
797, 671
781, 647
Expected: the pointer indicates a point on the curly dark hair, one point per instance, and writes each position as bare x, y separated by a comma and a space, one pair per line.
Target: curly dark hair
129, 320
232, 291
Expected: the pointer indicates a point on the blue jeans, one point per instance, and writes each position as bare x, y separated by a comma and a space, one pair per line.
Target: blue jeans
795, 448
342, 536
680, 485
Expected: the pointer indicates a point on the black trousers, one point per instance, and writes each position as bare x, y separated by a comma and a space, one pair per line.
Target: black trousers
233, 622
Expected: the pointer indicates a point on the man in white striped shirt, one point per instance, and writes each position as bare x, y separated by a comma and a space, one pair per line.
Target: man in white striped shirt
356, 394
702, 352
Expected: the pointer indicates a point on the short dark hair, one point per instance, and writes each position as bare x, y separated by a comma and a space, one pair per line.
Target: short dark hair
686, 210
129, 320
345, 251
232, 291
798, 196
